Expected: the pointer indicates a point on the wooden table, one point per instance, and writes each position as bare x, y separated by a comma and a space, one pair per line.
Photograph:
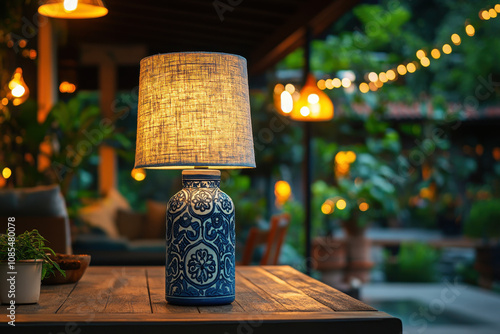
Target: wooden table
269, 299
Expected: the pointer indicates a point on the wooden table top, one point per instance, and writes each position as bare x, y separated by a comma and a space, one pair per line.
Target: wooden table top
268, 298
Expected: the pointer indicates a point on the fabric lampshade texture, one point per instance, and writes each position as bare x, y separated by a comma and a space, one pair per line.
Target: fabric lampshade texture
194, 111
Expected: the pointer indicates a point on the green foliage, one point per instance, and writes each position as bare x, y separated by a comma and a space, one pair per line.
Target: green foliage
414, 263
250, 205
30, 245
484, 219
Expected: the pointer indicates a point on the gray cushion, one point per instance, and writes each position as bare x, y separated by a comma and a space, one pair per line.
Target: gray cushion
41, 201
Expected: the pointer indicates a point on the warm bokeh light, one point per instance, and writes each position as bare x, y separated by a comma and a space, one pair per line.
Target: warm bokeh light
66, 87
283, 191
372, 76
469, 29
138, 174
492, 13
327, 208
278, 89
336, 83
70, 5
435, 53
411, 67
378, 83
290, 88
401, 69
5, 101
286, 102
313, 104
383, 77
363, 87
373, 87
484, 15
19, 91
455, 38
447, 49
346, 82
321, 84
350, 157
479, 149
497, 8
6, 172
425, 61
363, 206
391, 75
341, 204
329, 83
420, 54
496, 153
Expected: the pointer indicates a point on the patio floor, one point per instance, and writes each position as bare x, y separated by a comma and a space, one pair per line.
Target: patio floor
437, 308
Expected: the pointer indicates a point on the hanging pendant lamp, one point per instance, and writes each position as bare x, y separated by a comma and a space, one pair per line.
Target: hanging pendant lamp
18, 91
313, 105
73, 9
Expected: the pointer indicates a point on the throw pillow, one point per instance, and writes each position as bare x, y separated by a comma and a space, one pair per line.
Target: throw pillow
156, 218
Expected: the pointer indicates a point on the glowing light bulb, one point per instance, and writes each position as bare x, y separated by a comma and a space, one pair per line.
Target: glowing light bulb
290, 88
363, 206
18, 91
336, 83
313, 98
346, 82
484, 15
425, 61
435, 54
138, 174
469, 29
411, 67
304, 111
383, 77
321, 84
455, 38
70, 5
341, 204
6, 172
492, 13
420, 54
327, 207
372, 76
401, 69
391, 75
447, 49
363, 87
286, 102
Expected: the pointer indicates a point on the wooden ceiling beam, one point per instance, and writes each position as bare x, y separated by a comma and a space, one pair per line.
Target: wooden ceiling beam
316, 14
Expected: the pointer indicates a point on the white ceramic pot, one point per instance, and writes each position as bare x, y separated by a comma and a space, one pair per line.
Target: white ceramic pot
28, 279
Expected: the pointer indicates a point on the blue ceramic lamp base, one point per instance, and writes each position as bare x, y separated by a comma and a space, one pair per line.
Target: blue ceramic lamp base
200, 242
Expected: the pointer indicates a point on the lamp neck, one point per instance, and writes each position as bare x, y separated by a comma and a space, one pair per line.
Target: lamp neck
201, 178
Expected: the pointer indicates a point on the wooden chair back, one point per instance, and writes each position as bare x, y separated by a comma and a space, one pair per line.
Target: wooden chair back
272, 238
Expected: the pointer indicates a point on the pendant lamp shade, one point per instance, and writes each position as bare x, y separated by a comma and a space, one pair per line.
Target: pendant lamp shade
73, 9
313, 105
194, 111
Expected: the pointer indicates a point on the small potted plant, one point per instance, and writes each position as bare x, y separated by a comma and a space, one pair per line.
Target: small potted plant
24, 261
484, 223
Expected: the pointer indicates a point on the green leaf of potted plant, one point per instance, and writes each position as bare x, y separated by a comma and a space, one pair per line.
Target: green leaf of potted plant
24, 262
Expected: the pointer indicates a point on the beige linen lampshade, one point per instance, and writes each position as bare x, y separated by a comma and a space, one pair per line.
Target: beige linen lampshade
194, 111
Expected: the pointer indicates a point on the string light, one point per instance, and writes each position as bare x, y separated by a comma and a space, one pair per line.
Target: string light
469, 29
425, 61
364, 88
447, 49
410, 67
372, 76
420, 54
391, 75
455, 38
401, 69
435, 53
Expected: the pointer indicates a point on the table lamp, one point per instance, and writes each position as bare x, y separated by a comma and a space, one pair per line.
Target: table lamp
194, 114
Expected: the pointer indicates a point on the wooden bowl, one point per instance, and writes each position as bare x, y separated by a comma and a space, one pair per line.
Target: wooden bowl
73, 265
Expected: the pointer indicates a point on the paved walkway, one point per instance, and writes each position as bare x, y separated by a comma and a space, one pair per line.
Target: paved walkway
437, 308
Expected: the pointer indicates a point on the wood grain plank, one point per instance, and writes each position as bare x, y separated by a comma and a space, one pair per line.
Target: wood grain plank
115, 290
156, 285
321, 292
51, 298
254, 299
288, 296
204, 317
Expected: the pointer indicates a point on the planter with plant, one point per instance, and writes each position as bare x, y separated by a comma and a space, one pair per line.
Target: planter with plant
362, 195
484, 223
31, 263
